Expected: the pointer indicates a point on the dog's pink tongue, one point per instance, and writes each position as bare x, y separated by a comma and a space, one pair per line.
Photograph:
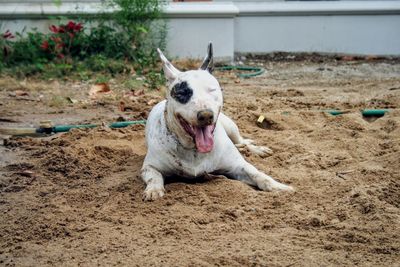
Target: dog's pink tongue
204, 138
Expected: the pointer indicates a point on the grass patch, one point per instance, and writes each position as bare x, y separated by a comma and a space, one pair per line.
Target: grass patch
57, 101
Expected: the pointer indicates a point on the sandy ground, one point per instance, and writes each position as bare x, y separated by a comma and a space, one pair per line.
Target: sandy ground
74, 199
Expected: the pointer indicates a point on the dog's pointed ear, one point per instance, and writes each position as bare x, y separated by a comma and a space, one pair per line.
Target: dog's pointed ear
170, 71
208, 62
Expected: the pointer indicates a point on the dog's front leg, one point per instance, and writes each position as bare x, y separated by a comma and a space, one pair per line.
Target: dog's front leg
154, 183
247, 173
232, 131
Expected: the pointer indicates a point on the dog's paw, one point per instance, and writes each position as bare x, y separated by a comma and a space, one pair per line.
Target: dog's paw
152, 193
261, 151
267, 185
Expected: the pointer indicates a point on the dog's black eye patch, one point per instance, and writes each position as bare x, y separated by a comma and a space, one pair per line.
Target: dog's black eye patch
181, 92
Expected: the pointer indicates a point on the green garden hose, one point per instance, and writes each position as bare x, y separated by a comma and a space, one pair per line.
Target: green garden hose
47, 128
254, 71
364, 112
66, 128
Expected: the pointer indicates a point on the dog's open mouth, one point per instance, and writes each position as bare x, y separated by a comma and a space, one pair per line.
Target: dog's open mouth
202, 136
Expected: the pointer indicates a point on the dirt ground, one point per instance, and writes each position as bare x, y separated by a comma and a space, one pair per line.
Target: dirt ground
75, 199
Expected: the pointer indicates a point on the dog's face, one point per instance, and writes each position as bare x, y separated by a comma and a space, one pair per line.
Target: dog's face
195, 99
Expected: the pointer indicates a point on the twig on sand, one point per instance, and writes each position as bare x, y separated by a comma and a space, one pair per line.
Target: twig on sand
342, 174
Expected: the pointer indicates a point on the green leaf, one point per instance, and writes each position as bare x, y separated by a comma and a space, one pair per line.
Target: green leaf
57, 3
141, 29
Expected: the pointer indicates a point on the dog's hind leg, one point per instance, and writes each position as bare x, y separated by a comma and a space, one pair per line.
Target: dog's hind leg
154, 183
233, 132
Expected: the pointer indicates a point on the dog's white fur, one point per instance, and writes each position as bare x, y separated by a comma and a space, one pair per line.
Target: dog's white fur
172, 151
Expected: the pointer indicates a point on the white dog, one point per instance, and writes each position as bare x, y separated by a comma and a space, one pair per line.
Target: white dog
188, 135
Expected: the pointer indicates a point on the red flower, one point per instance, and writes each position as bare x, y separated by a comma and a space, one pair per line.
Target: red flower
54, 28
8, 35
60, 56
71, 25
45, 45
61, 29
60, 45
74, 27
56, 39
78, 27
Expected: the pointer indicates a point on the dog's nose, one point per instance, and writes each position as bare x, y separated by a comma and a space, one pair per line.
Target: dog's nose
205, 117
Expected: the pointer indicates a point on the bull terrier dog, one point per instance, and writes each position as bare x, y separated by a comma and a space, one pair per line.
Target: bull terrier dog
187, 135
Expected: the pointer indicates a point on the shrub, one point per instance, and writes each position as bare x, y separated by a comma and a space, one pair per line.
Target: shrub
27, 49
103, 43
102, 63
64, 41
5, 47
132, 32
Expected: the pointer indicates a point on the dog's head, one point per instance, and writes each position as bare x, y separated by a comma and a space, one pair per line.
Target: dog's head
195, 100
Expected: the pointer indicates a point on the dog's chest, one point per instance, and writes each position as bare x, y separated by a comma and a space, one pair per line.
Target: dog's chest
192, 164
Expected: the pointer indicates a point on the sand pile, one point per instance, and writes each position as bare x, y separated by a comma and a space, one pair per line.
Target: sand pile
75, 198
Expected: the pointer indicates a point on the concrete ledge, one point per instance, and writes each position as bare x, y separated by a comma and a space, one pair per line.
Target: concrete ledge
44, 10
10, 10
318, 8
172, 10
201, 10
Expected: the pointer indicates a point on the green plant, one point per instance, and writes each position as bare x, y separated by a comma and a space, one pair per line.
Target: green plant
26, 49
154, 79
111, 43
102, 79
133, 83
57, 3
57, 101
102, 63
5, 45
140, 27
104, 40
64, 41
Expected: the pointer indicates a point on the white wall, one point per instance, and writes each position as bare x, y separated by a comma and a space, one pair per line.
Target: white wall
355, 27
361, 34
186, 37
371, 27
